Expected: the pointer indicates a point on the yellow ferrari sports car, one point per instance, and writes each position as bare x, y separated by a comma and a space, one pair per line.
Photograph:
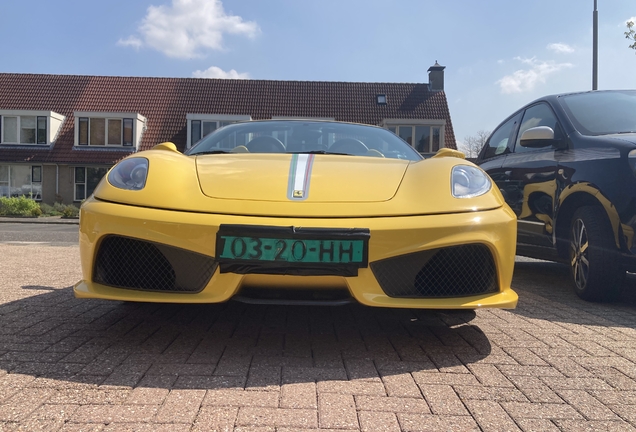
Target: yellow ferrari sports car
298, 212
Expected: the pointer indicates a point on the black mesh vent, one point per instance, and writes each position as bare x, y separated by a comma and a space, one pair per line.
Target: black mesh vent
124, 262
447, 272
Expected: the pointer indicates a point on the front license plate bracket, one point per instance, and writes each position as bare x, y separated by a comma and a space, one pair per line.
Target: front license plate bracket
255, 249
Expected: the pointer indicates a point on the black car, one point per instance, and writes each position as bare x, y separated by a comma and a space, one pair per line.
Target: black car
566, 165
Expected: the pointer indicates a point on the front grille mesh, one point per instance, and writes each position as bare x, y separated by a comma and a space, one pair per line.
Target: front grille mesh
438, 273
124, 262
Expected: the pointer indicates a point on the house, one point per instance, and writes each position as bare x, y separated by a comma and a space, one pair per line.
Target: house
59, 134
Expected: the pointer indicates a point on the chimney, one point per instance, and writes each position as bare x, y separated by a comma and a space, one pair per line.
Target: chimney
436, 77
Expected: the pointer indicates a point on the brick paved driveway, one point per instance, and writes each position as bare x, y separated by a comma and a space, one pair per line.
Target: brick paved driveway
554, 363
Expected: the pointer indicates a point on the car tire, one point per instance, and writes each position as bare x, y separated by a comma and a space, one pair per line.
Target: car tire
595, 266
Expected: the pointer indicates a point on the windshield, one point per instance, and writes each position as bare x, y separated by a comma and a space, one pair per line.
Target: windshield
602, 113
294, 136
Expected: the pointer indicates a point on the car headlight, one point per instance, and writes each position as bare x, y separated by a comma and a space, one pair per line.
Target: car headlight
469, 181
129, 174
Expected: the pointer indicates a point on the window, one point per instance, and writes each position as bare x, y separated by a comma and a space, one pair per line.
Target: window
86, 180
23, 129
498, 143
200, 125
424, 138
108, 129
201, 128
105, 131
21, 180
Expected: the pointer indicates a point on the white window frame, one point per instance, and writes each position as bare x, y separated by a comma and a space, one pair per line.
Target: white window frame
35, 196
53, 125
138, 128
413, 123
211, 118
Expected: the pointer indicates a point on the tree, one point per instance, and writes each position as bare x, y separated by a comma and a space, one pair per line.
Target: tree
472, 144
630, 34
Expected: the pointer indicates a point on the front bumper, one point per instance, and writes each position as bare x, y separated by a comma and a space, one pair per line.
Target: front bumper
390, 237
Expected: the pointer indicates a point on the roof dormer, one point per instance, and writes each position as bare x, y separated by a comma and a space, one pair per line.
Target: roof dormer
29, 127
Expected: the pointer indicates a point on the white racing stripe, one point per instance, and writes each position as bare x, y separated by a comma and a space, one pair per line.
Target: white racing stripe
299, 176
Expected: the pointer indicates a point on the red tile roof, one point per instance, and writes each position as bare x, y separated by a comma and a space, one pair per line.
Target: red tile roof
166, 101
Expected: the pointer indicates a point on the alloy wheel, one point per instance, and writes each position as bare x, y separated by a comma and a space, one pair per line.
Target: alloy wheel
579, 254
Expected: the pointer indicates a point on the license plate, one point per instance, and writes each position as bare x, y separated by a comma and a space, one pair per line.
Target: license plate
279, 248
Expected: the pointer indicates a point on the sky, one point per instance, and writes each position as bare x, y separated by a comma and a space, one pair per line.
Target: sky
498, 54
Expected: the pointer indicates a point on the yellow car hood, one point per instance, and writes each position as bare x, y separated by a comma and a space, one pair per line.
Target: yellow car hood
258, 185
266, 177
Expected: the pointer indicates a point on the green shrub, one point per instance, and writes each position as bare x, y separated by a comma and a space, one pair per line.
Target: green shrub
19, 206
70, 211
49, 210
59, 207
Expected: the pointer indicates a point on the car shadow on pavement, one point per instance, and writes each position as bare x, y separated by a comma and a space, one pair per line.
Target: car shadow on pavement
545, 292
53, 336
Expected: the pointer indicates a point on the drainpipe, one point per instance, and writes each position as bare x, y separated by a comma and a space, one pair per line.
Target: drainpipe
57, 180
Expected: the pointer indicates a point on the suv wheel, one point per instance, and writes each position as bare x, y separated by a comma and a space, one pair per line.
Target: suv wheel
594, 258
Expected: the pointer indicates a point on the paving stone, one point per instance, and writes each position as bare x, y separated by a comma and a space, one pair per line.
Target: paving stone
491, 416
146, 427
278, 417
496, 394
264, 378
426, 422
114, 413
299, 395
587, 405
392, 404
211, 418
537, 425
593, 426
24, 403
489, 375
241, 398
400, 385
88, 396
180, 406
337, 411
443, 400
372, 421
626, 412
540, 410
352, 387
444, 378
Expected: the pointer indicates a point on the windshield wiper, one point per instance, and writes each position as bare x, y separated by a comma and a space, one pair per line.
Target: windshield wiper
320, 152
209, 152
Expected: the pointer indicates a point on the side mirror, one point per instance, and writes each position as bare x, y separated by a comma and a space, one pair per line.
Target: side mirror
537, 137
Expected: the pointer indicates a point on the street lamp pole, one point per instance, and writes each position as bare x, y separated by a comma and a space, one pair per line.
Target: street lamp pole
595, 49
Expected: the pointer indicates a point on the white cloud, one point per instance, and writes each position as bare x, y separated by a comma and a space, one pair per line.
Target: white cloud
188, 28
216, 72
130, 41
560, 48
632, 19
525, 80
